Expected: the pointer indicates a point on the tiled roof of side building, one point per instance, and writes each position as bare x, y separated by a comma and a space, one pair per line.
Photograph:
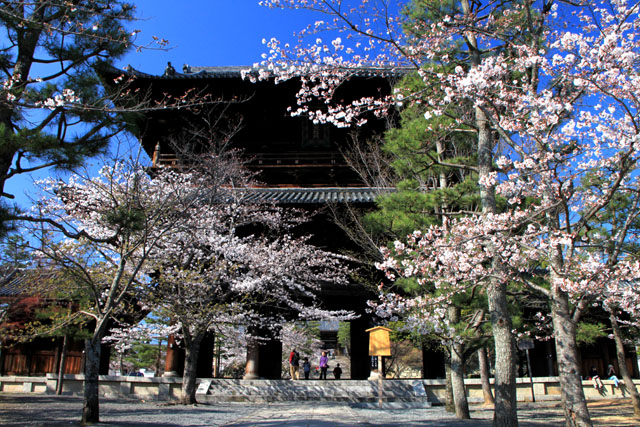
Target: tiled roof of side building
16, 282
12, 282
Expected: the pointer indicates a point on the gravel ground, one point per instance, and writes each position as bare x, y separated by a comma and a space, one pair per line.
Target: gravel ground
44, 410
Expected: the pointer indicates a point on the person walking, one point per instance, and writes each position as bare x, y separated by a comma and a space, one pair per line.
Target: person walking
306, 367
324, 365
337, 371
294, 364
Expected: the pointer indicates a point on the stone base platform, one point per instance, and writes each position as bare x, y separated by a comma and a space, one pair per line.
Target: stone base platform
398, 394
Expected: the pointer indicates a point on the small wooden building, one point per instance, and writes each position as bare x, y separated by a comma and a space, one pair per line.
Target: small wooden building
21, 301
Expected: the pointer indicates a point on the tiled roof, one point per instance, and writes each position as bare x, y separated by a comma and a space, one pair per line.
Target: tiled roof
225, 72
12, 282
315, 195
21, 282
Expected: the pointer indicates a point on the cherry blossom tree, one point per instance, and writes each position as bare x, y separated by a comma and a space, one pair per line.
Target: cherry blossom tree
238, 262
102, 232
245, 281
378, 37
552, 86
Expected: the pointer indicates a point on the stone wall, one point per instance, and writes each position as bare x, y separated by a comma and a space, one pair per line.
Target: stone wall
544, 388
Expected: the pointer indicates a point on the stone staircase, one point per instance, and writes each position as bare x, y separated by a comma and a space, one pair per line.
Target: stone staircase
396, 393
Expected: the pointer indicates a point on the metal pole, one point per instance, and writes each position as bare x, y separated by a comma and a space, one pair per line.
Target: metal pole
533, 396
380, 381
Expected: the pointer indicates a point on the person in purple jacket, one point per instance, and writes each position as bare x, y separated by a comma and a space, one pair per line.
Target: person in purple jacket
324, 365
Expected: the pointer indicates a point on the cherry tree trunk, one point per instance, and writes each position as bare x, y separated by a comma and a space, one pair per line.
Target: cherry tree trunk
457, 382
192, 349
448, 405
483, 363
457, 369
574, 403
622, 364
505, 413
91, 405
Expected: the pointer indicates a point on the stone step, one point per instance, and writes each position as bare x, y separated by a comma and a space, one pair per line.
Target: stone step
401, 393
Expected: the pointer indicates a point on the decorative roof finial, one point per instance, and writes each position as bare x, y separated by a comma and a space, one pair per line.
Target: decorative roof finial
169, 71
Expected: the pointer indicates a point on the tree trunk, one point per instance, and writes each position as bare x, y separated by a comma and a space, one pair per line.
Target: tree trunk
575, 406
505, 414
448, 404
6, 159
622, 364
91, 408
457, 382
192, 349
63, 359
483, 362
457, 370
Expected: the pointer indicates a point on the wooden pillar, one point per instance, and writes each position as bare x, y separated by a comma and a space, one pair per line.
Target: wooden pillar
264, 356
251, 370
174, 362
29, 358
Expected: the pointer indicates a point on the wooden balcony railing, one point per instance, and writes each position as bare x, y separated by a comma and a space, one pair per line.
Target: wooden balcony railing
296, 160
272, 160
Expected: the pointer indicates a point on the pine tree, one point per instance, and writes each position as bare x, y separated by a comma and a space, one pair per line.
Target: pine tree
53, 112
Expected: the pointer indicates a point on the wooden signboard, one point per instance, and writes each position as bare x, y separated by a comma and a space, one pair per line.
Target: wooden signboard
379, 343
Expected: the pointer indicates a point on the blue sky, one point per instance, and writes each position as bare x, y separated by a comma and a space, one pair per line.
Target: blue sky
200, 33
209, 32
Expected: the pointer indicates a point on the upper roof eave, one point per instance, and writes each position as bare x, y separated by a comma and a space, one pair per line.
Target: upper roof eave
226, 72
